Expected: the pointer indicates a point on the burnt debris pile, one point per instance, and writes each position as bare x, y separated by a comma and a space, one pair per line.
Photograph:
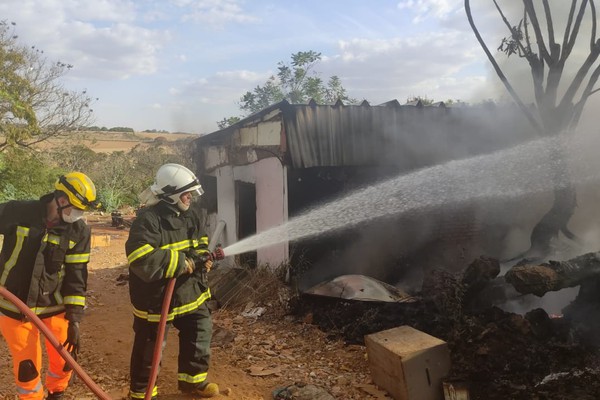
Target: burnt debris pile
498, 354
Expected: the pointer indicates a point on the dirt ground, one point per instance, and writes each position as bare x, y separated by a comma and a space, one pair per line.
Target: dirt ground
251, 356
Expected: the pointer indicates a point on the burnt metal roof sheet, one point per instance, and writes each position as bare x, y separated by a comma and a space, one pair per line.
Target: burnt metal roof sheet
407, 136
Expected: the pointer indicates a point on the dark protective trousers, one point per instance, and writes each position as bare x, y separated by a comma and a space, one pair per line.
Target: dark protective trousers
195, 331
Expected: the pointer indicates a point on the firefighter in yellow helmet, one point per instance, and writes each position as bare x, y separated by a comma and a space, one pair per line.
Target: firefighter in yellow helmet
43, 262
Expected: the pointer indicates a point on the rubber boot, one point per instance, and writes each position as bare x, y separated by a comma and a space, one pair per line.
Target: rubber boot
204, 390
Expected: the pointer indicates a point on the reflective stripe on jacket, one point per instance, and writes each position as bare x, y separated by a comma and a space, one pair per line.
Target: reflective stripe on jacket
159, 240
45, 268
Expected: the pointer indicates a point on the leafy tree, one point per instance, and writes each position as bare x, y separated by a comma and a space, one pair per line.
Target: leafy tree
225, 122
34, 105
25, 175
75, 157
426, 101
296, 82
121, 129
534, 40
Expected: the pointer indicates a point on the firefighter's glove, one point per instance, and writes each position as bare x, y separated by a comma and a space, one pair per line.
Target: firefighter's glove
218, 254
208, 265
72, 342
190, 265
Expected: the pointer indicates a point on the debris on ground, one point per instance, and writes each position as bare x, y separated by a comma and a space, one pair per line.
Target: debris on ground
498, 354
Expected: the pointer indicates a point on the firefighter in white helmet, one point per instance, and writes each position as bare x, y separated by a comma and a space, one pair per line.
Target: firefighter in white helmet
167, 241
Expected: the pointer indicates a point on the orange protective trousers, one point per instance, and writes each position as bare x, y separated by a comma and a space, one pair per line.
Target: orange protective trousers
23, 340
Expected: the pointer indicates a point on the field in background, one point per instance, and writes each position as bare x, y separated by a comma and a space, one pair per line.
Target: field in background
107, 142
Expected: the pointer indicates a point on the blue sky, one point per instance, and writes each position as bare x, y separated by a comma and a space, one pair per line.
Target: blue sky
182, 65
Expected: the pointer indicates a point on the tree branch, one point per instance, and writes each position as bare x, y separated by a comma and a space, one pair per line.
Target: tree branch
581, 73
568, 28
554, 48
526, 53
526, 30
594, 91
538, 31
593, 37
587, 92
498, 70
575, 32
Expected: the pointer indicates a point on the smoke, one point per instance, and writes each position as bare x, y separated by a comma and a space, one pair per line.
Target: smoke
585, 221
517, 69
398, 250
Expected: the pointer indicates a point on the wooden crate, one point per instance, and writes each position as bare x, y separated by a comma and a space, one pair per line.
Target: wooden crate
407, 363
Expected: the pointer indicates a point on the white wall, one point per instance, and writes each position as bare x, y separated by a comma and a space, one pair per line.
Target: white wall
271, 207
226, 208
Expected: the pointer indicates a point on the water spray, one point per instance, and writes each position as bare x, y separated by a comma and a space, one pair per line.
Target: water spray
522, 170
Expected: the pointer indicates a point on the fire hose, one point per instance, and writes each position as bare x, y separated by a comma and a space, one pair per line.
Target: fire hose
55, 343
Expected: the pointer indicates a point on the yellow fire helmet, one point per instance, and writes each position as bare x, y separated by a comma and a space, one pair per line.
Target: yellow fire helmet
80, 190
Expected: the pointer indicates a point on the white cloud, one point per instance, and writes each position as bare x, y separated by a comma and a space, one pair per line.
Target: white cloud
423, 9
215, 13
116, 52
382, 70
106, 10
100, 38
224, 87
243, 76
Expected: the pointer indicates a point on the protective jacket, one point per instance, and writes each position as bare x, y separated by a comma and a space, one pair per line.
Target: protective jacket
160, 239
44, 267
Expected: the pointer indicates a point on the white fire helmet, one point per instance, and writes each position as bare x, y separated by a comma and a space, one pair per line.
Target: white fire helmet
172, 180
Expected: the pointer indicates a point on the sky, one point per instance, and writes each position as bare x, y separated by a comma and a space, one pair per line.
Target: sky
182, 65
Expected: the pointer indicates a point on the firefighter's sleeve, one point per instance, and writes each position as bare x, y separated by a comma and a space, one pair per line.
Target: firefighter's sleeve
74, 285
7, 214
201, 246
147, 259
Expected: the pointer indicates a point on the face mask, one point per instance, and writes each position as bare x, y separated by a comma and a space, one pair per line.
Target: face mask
75, 215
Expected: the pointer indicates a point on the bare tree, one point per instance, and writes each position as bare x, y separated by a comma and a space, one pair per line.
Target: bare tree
34, 104
534, 40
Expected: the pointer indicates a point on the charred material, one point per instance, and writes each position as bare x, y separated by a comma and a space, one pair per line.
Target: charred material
500, 355
554, 275
117, 220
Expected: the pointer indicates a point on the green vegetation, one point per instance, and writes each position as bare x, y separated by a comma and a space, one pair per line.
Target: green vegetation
119, 176
296, 82
105, 129
25, 175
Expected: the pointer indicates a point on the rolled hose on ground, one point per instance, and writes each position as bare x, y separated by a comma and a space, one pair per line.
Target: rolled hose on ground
55, 343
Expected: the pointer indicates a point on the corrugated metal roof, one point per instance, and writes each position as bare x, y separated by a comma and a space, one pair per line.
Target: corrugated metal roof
407, 136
